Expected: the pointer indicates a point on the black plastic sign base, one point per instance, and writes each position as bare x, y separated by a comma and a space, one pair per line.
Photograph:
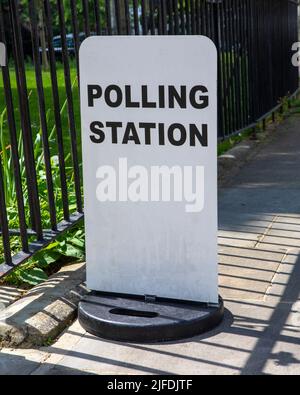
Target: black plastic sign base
146, 319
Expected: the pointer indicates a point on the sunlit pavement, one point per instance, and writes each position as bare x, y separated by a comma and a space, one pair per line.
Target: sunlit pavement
259, 247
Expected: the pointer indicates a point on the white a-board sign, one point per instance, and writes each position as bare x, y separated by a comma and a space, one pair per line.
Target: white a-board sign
149, 135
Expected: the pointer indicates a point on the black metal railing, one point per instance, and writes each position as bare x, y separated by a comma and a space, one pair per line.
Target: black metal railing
40, 158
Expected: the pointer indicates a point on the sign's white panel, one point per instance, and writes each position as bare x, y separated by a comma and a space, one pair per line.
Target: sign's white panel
149, 134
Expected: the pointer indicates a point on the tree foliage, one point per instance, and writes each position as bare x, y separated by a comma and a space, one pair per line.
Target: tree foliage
24, 13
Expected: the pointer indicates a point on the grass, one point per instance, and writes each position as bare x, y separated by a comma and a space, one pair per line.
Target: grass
72, 245
33, 101
5, 149
226, 145
295, 105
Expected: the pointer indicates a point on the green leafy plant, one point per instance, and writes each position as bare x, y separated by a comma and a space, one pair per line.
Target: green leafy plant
68, 247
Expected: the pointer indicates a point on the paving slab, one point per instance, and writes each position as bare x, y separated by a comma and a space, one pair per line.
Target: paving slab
9, 294
24, 362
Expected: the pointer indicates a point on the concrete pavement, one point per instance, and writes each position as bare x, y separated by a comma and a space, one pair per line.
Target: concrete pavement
259, 246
